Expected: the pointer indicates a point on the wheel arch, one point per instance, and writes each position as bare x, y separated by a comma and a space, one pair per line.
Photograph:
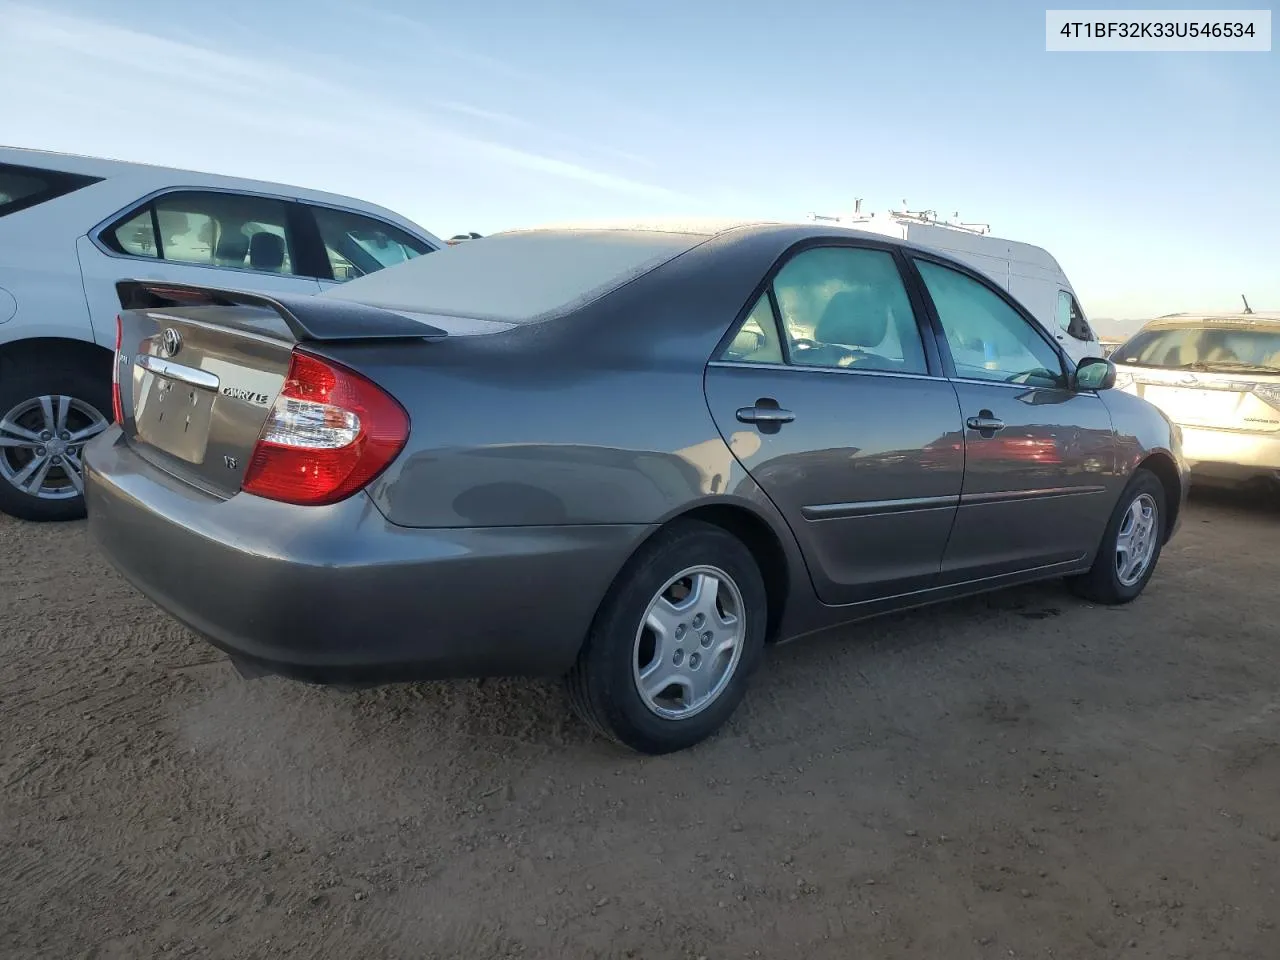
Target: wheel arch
1166, 471
760, 538
45, 349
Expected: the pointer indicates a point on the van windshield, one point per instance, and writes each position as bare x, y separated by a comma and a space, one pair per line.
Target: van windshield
517, 277
1204, 347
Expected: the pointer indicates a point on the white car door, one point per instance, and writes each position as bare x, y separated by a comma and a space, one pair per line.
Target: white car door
206, 237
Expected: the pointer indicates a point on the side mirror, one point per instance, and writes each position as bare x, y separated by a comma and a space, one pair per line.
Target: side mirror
1095, 373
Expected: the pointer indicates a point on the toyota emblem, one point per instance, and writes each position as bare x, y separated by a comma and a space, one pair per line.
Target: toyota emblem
170, 342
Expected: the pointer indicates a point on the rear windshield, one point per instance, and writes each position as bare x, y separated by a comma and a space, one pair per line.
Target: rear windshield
518, 277
1203, 348
23, 187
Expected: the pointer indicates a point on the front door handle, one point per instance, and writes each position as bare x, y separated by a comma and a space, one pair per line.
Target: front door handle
766, 411
985, 423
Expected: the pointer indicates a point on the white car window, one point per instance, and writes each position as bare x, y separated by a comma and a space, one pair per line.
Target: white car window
358, 245
211, 230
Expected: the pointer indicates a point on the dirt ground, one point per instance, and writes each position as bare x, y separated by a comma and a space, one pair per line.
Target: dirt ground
1020, 775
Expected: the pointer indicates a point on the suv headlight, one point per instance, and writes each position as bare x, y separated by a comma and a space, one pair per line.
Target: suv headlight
1123, 379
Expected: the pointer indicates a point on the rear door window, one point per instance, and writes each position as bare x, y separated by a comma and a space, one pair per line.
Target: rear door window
357, 245
25, 187
210, 230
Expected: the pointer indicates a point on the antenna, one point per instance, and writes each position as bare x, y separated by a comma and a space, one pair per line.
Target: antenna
1247, 308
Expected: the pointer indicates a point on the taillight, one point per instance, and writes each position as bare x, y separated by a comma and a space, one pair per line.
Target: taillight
329, 433
117, 408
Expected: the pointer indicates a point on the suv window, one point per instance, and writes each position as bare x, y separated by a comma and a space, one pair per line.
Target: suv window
357, 245
989, 339
24, 187
209, 230
843, 307
1071, 318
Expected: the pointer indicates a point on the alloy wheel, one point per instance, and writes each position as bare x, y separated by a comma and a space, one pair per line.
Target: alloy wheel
41, 441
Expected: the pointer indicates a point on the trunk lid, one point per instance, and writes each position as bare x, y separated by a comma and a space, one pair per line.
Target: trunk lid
1217, 401
199, 370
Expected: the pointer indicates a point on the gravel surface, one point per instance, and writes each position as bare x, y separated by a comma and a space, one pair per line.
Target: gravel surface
1020, 775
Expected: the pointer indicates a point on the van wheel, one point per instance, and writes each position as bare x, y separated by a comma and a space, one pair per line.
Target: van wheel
669, 655
47, 415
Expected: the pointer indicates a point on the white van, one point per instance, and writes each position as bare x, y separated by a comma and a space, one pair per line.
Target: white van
72, 227
1029, 273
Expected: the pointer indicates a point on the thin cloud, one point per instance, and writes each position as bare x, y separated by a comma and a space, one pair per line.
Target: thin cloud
52, 55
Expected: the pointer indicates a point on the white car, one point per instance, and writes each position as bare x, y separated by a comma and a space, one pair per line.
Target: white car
1217, 376
72, 227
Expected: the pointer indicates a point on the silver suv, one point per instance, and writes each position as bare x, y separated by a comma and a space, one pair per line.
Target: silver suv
1218, 378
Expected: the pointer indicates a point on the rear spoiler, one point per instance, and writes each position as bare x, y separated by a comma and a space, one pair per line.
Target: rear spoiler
309, 318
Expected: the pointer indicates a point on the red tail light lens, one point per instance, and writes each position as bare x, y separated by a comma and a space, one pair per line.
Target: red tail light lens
117, 408
329, 434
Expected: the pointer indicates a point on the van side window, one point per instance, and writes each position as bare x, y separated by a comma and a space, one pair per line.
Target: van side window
1071, 318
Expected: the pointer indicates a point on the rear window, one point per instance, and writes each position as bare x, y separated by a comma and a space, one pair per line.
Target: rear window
1203, 347
25, 187
518, 277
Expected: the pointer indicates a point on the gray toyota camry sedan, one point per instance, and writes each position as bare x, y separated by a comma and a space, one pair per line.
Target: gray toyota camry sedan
631, 457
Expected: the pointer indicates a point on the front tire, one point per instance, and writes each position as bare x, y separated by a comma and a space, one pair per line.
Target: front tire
47, 414
669, 655
1130, 545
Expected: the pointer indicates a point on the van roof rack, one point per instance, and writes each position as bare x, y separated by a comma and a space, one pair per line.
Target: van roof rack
929, 217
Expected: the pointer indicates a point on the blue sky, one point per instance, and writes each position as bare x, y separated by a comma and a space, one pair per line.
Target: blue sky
1151, 177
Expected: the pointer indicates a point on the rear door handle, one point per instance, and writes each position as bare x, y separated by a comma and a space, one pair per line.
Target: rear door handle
985, 422
765, 413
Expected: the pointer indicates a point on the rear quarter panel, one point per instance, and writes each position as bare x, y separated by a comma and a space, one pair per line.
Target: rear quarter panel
597, 417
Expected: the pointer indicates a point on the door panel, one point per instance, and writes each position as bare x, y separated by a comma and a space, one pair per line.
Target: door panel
867, 473
1035, 489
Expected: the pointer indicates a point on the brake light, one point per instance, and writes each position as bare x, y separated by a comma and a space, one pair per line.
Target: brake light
117, 408
329, 434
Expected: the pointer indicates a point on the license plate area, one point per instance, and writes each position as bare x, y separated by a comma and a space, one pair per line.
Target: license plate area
1191, 405
172, 415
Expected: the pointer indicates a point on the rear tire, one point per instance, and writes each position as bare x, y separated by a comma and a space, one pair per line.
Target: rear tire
1130, 546
38, 462
657, 622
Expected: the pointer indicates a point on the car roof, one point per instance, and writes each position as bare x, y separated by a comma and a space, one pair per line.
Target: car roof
160, 177
709, 228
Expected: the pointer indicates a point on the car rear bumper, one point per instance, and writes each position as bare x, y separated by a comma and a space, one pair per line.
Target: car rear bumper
1231, 455
339, 594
